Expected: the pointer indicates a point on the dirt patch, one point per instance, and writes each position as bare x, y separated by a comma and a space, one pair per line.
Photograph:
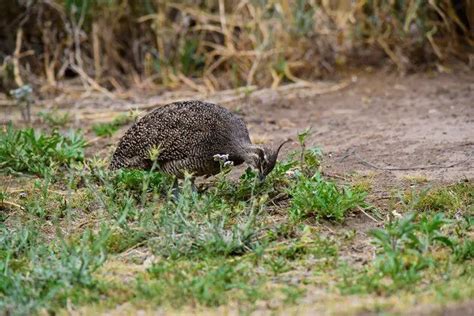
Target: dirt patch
421, 124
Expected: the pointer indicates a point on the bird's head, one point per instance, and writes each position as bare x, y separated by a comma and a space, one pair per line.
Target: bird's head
263, 159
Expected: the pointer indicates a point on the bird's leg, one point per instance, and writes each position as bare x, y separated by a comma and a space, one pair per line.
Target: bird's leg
175, 190
193, 185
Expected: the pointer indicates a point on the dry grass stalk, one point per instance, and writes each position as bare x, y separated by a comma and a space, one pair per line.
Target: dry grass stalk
229, 43
16, 58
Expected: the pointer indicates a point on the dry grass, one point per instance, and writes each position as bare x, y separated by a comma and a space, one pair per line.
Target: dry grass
220, 44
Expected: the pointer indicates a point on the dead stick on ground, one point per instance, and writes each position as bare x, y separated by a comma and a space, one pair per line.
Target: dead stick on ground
12, 204
93, 140
366, 214
191, 84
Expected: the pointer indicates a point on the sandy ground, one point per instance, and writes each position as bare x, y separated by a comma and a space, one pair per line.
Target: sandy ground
392, 126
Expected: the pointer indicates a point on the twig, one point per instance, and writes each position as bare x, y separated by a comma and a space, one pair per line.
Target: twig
91, 81
226, 96
279, 197
12, 204
16, 58
390, 53
253, 69
129, 250
349, 153
96, 50
225, 30
191, 84
93, 140
332, 175
366, 214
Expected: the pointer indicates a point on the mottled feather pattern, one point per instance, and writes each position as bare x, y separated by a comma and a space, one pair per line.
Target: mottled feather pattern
188, 135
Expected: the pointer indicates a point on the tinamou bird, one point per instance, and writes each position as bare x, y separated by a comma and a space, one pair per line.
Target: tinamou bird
188, 136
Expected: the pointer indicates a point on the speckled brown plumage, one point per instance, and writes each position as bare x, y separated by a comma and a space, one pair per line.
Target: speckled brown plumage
188, 135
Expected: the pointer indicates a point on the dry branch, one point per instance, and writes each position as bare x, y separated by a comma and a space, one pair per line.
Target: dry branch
91, 81
231, 43
16, 58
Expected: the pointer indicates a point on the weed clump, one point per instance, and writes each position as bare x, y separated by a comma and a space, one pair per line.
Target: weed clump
456, 198
408, 249
39, 275
208, 283
311, 194
108, 129
32, 151
320, 198
137, 180
55, 119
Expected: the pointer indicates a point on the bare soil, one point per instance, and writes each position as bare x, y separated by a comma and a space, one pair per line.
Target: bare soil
386, 125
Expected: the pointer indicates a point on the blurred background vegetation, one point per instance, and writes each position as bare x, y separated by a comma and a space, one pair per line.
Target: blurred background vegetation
222, 44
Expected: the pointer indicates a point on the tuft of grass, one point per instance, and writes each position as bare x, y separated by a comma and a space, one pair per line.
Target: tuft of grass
54, 119
206, 283
316, 197
32, 151
205, 224
37, 275
108, 129
409, 250
138, 180
456, 198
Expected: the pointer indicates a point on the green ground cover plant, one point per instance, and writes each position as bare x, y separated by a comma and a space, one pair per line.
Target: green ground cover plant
108, 129
81, 232
36, 152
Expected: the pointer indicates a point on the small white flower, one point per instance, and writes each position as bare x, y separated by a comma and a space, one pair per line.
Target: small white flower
149, 261
228, 163
293, 173
396, 214
290, 173
221, 157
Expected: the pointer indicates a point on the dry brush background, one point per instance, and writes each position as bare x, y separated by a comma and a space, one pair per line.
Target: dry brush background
218, 44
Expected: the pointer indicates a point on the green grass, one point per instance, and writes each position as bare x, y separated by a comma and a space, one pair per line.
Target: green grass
451, 199
55, 119
36, 152
36, 274
108, 129
206, 283
316, 197
86, 237
412, 249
